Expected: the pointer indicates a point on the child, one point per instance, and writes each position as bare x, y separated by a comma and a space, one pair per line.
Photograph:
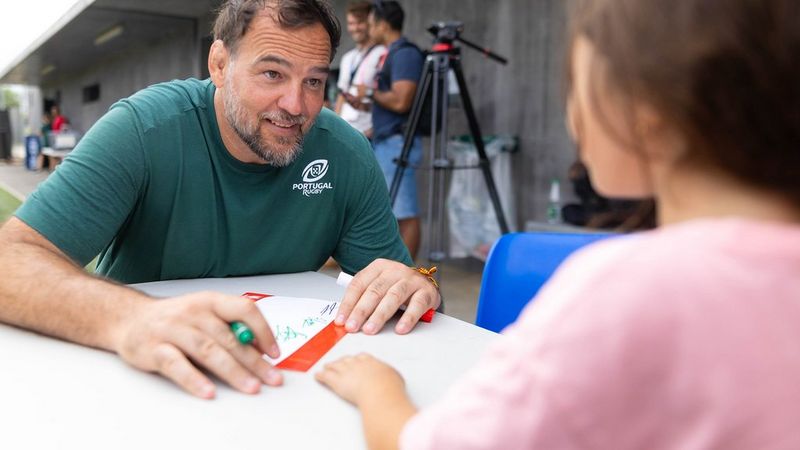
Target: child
684, 337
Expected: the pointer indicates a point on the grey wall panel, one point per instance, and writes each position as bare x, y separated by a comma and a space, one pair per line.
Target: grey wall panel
175, 56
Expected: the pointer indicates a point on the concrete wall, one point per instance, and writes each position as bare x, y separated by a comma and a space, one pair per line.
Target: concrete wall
174, 56
523, 98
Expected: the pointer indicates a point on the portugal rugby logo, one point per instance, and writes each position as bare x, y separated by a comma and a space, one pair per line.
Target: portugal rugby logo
314, 171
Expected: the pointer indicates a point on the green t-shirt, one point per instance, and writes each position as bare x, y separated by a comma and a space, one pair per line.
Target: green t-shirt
152, 188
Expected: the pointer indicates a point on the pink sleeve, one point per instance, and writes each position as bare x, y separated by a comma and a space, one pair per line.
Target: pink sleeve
502, 403
684, 338
531, 388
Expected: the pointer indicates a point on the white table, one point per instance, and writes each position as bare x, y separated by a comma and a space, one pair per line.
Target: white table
55, 394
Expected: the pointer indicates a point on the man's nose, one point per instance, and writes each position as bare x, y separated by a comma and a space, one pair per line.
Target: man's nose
291, 99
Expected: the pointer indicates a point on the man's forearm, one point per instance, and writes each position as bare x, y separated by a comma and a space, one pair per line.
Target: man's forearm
392, 101
43, 291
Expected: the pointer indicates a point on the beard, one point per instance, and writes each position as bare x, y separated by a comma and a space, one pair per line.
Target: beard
279, 153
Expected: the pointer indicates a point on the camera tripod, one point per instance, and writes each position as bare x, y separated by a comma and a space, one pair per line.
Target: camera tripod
438, 62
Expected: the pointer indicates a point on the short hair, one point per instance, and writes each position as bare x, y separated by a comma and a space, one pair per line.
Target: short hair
390, 12
234, 17
360, 9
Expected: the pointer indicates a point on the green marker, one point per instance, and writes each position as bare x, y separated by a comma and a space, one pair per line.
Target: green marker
242, 332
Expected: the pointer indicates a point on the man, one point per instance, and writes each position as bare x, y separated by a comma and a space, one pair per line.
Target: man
358, 67
397, 85
237, 175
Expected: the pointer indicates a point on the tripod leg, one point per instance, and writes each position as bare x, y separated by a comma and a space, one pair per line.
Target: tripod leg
475, 130
439, 162
411, 127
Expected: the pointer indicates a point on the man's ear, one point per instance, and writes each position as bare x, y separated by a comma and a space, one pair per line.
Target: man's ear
218, 63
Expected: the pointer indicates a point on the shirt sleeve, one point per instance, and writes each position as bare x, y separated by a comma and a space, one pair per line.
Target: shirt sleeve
566, 375
344, 71
371, 229
504, 402
82, 205
407, 64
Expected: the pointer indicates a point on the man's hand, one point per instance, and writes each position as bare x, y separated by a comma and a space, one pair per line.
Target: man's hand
378, 291
361, 378
357, 102
163, 336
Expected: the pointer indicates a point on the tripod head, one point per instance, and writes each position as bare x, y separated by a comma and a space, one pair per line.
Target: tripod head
446, 33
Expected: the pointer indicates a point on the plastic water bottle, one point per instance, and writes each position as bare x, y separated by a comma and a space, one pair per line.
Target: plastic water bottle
554, 203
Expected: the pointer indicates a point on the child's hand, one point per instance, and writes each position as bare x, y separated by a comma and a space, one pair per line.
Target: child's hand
359, 378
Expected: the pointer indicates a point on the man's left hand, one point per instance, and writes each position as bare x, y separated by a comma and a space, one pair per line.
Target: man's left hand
377, 292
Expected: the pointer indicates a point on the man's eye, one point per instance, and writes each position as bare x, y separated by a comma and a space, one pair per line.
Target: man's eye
272, 75
315, 82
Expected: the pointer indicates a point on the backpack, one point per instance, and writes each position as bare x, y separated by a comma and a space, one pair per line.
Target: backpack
426, 116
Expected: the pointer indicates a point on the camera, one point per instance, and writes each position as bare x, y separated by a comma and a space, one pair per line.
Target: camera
446, 31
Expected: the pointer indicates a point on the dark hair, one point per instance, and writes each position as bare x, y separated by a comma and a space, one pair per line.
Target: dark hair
234, 17
724, 73
360, 9
390, 12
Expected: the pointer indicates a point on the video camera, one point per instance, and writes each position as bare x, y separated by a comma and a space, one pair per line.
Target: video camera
450, 32
446, 31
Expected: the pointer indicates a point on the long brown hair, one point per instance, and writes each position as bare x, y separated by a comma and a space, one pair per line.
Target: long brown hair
725, 73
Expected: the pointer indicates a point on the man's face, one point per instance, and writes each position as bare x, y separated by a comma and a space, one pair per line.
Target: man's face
358, 29
376, 29
274, 87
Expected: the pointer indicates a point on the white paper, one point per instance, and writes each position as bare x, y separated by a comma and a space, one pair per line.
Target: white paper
295, 320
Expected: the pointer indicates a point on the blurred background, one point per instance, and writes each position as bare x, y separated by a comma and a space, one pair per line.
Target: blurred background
92, 53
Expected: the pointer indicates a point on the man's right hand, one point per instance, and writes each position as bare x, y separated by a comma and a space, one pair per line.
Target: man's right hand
168, 336
357, 102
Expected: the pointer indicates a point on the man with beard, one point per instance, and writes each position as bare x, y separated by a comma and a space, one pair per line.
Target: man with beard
238, 175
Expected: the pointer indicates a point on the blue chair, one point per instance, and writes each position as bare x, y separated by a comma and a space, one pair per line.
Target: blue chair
517, 266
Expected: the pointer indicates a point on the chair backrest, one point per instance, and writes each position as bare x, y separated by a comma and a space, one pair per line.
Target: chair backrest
517, 266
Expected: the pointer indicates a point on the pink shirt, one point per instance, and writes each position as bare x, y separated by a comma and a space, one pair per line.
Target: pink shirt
687, 337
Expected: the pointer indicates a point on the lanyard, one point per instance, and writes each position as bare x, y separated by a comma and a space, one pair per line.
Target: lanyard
355, 69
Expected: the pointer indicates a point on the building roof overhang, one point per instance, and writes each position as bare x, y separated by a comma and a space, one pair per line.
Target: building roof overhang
94, 29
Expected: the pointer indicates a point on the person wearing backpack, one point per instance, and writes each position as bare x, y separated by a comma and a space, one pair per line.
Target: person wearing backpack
398, 75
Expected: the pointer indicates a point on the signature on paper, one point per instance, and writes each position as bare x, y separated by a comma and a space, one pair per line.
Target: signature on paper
287, 333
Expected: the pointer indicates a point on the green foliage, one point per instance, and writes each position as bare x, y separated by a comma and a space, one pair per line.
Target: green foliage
8, 99
8, 204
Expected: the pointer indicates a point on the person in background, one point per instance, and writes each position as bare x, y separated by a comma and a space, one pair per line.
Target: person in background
358, 67
399, 71
595, 211
44, 139
684, 337
59, 122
